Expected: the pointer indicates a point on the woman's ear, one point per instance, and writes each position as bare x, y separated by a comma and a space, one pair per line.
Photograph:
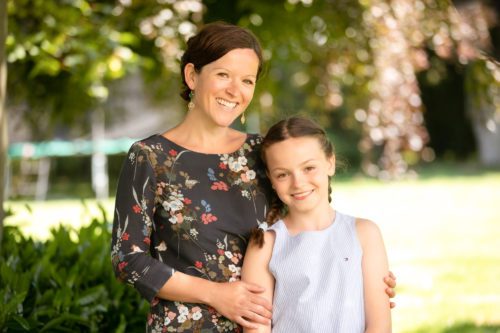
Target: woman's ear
331, 166
190, 76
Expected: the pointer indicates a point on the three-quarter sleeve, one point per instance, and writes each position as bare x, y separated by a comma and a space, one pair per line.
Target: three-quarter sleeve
133, 225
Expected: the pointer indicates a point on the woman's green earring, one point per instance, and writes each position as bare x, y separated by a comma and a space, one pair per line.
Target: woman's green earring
191, 103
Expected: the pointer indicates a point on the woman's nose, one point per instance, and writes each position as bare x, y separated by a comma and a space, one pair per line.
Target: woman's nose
232, 88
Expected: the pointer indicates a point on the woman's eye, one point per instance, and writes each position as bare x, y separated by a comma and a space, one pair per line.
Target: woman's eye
222, 74
310, 168
281, 175
249, 82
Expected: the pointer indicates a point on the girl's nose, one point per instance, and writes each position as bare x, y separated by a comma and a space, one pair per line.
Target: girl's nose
297, 180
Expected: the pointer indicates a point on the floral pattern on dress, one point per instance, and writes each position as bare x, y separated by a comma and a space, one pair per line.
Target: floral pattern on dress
181, 210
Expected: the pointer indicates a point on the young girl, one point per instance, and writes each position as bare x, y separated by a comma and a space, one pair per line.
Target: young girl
322, 270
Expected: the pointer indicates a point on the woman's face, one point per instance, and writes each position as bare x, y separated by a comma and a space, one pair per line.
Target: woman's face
224, 88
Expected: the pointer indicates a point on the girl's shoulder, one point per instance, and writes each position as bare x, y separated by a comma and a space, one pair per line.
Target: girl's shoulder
367, 230
261, 255
365, 225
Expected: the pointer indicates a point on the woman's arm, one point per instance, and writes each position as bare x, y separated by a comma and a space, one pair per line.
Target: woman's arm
375, 267
133, 226
245, 303
256, 270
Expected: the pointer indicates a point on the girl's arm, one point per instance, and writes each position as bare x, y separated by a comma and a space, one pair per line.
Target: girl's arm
256, 270
375, 267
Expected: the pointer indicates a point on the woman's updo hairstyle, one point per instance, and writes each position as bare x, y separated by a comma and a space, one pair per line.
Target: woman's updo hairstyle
212, 42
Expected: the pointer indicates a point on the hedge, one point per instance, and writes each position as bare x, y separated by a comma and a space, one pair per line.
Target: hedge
65, 284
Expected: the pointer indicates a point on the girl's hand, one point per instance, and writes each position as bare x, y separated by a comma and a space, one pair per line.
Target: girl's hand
240, 302
390, 281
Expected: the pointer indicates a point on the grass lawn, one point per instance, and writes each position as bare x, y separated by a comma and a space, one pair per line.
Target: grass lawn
441, 234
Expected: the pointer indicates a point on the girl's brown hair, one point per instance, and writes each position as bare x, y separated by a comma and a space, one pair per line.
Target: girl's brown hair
212, 42
293, 127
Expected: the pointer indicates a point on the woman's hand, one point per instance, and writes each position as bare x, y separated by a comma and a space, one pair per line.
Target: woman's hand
241, 302
390, 281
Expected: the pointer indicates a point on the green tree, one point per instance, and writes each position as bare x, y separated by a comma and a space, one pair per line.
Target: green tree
353, 64
63, 56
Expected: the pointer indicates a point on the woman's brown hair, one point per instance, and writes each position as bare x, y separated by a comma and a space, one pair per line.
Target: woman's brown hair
212, 42
293, 127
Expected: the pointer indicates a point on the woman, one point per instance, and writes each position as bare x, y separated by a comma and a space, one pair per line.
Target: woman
187, 199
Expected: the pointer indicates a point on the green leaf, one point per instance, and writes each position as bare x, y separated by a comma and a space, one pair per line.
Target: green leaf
47, 66
91, 295
21, 321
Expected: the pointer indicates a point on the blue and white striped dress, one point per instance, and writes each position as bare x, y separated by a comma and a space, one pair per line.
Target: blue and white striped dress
319, 282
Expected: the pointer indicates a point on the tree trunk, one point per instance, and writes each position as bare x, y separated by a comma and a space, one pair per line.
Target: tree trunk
3, 112
487, 138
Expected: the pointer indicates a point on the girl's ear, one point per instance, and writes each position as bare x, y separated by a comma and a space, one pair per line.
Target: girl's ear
331, 166
190, 76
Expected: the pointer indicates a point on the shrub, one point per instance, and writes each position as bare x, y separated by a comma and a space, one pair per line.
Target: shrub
65, 284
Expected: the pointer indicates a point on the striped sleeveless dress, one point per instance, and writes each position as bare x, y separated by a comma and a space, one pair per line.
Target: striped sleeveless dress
319, 282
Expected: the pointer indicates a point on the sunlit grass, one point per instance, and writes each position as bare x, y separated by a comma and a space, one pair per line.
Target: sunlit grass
441, 233
35, 218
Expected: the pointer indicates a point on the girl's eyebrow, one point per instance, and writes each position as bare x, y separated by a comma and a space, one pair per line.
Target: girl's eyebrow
285, 169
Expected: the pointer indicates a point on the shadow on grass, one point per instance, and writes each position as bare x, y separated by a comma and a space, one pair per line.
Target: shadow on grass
461, 328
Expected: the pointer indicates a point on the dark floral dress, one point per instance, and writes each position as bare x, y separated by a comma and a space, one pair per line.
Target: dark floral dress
187, 211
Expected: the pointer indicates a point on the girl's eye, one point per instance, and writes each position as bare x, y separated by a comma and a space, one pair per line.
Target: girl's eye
281, 175
249, 82
310, 168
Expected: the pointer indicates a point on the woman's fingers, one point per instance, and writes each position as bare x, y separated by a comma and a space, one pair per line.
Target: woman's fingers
264, 307
255, 318
261, 313
390, 280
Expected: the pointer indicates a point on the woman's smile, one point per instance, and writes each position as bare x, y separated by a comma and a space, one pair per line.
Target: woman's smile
226, 103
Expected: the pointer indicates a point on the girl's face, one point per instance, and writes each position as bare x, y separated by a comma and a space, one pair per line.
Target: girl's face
224, 88
299, 171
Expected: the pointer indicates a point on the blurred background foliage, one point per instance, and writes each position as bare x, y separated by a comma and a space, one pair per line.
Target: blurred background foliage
387, 78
